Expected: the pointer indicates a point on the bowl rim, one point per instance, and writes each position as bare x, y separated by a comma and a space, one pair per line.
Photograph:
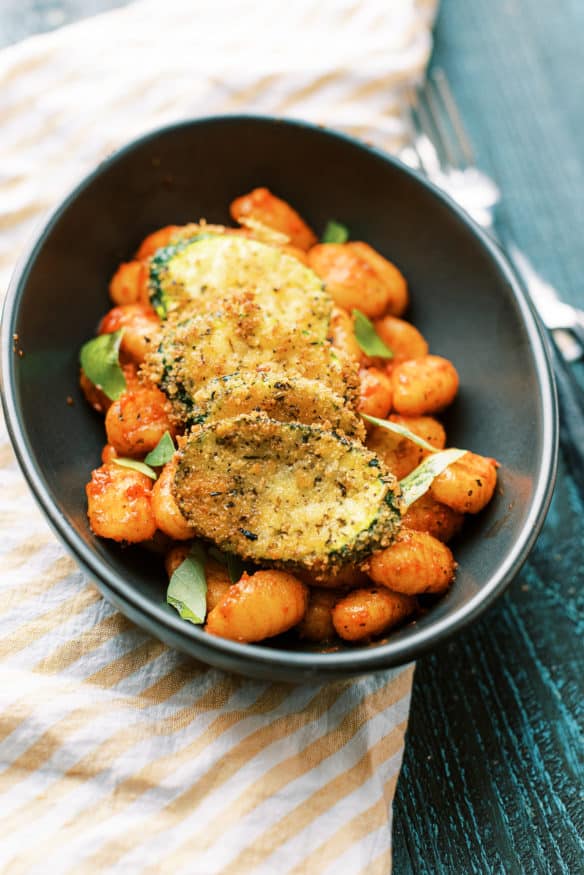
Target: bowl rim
359, 660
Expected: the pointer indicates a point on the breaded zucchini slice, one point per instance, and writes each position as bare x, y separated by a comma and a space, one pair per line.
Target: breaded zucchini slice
209, 266
237, 337
286, 494
282, 397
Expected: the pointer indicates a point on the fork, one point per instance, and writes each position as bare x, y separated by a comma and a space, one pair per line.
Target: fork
441, 149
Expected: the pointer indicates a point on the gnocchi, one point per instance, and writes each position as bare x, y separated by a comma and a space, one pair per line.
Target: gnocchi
468, 485
290, 378
424, 385
140, 329
129, 284
366, 613
402, 338
137, 420
168, 517
317, 624
415, 564
431, 516
375, 393
119, 504
261, 205
216, 575
400, 454
360, 278
259, 606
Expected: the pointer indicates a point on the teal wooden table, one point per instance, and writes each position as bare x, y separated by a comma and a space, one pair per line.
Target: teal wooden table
492, 779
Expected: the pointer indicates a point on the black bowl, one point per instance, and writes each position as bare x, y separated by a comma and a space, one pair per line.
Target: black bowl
465, 300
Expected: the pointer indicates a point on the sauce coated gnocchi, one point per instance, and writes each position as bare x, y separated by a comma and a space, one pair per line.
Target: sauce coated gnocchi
359, 593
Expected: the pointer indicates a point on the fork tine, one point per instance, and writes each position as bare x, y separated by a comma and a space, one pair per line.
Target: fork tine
431, 159
410, 154
446, 139
451, 111
416, 140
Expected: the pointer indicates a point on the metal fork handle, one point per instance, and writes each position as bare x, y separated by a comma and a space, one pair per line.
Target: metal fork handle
560, 318
569, 391
574, 325
445, 154
567, 328
577, 328
429, 126
571, 410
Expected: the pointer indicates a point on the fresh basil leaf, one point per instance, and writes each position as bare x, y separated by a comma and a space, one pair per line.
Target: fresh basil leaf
335, 233
100, 359
230, 561
420, 479
135, 466
162, 452
187, 588
216, 554
235, 567
396, 428
368, 338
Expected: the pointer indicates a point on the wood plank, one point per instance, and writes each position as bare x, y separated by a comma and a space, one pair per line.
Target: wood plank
493, 774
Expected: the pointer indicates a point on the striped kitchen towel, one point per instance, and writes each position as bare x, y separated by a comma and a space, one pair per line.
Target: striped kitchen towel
118, 754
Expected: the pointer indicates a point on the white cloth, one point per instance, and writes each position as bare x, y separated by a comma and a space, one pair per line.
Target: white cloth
117, 754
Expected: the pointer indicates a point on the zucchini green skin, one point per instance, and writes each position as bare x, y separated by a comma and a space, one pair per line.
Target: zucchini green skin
237, 305
158, 271
211, 265
288, 495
